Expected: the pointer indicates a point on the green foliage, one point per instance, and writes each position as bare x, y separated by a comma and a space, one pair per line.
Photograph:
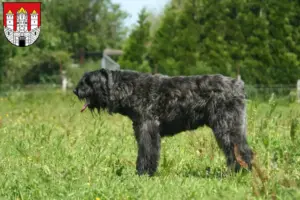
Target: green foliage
88, 24
4, 51
26, 67
174, 45
256, 38
49, 150
135, 47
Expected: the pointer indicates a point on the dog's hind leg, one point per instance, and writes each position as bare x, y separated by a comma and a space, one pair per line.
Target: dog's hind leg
229, 127
235, 147
148, 141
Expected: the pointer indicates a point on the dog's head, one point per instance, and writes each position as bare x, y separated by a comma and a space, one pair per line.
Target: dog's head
94, 88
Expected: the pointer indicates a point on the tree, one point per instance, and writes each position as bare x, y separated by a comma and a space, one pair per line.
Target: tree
89, 24
135, 47
284, 29
222, 36
174, 45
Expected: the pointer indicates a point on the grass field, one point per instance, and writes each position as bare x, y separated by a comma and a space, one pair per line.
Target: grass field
49, 150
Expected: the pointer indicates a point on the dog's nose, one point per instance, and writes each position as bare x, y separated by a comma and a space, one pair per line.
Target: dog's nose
75, 91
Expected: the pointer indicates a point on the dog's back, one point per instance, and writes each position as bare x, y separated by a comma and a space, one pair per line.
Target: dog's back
205, 83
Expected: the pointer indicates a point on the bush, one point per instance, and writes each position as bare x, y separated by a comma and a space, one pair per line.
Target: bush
74, 73
35, 67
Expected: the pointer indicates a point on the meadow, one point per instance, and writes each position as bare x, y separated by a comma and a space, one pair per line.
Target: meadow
49, 150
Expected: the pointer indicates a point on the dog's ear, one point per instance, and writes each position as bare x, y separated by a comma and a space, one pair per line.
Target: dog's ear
87, 79
108, 75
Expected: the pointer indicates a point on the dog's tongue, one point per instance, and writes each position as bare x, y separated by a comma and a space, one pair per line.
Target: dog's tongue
84, 107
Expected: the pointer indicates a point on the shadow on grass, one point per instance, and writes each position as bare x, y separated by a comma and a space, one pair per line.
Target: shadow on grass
212, 173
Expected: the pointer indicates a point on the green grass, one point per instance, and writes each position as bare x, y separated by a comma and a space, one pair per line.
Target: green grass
49, 150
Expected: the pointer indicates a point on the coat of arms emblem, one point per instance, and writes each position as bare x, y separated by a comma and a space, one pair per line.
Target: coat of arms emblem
22, 22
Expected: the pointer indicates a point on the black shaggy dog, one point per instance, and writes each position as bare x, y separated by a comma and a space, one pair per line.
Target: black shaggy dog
164, 106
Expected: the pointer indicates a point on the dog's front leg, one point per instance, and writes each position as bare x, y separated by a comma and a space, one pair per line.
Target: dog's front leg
148, 140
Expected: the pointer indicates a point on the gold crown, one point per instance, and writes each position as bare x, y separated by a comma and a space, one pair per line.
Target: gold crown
22, 10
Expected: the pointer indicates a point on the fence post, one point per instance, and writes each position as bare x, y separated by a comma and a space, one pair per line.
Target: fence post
64, 81
103, 60
81, 54
298, 90
238, 73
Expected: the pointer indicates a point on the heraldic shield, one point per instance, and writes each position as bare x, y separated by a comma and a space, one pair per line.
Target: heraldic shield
22, 22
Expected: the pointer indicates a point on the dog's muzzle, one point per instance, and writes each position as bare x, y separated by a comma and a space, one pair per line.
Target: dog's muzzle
87, 101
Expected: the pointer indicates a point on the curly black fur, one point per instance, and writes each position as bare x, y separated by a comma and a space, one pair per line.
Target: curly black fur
164, 106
